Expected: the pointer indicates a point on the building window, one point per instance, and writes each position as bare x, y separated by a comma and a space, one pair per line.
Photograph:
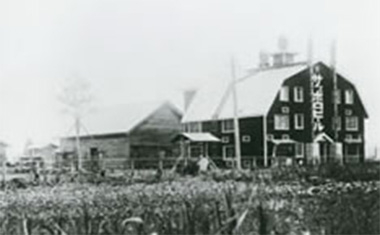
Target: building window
184, 127
337, 96
352, 123
298, 94
196, 151
246, 164
352, 149
298, 121
192, 127
246, 138
299, 149
337, 125
285, 109
228, 151
93, 151
225, 139
281, 122
349, 96
284, 93
348, 112
227, 126
285, 137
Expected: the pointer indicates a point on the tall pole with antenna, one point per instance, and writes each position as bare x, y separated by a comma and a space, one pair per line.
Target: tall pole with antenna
236, 120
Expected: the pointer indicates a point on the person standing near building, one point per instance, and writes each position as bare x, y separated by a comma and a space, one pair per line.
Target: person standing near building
203, 164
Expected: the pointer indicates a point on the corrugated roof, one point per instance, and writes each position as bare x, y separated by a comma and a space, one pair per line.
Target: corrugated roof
255, 94
119, 118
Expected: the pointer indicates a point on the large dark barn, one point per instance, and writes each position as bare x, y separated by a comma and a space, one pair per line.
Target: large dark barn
285, 111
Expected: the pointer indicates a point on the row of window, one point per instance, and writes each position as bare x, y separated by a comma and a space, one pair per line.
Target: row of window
244, 139
349, 96
298, 92
282, 122
228, 151
192, 127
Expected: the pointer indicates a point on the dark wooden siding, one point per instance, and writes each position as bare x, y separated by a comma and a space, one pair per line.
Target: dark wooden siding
147, 140
305, 135
155, 134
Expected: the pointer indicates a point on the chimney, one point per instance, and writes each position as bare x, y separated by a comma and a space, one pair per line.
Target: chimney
188, 96
282, 44
263, 60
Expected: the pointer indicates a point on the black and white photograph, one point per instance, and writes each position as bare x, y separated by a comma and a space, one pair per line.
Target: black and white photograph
179, 117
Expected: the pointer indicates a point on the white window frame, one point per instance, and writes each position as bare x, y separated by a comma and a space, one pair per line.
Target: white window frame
298, 94
224, 151
349, 96
195, 127
284, 93
226, 130
277, 122
299, 146
337, 96
349, 121
337, 121
192, 127
299, 126
246, 139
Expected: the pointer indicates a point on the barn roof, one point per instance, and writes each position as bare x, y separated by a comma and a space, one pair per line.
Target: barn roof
255, 94
120, 118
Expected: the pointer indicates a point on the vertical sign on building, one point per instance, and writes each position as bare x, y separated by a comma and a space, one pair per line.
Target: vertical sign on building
317, 101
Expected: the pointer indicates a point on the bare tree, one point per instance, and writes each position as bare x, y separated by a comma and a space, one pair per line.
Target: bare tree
76, 96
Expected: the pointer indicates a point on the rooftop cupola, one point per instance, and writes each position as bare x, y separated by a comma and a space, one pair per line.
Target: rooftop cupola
283, 57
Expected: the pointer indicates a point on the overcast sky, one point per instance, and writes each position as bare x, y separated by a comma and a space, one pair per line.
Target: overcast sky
141, 50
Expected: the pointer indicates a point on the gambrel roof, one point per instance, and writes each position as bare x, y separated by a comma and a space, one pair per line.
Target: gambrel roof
255, 94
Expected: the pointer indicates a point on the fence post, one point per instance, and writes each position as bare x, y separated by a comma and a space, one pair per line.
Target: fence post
132, 163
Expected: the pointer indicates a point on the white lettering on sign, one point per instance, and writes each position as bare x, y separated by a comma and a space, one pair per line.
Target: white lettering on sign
317, 100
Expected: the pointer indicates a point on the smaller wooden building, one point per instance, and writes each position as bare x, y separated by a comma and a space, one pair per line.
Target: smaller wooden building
116, 136
44, 153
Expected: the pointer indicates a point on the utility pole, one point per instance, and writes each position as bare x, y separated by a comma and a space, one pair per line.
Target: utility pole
311, 72
335, 89
236, 119
77, 142
265, 139
3, 159
335, 102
